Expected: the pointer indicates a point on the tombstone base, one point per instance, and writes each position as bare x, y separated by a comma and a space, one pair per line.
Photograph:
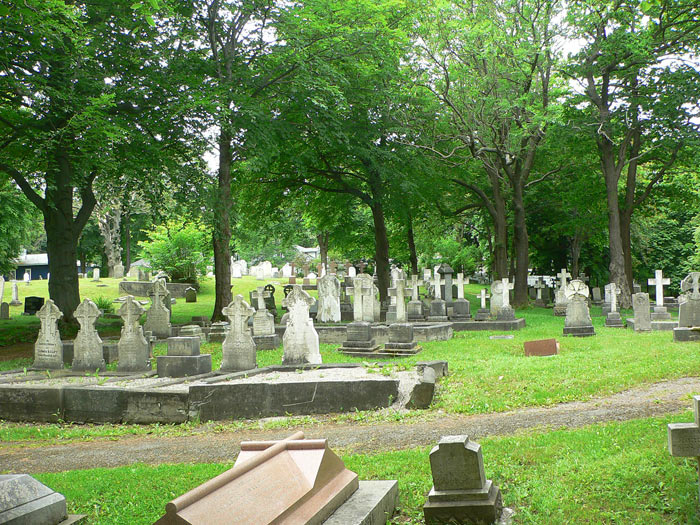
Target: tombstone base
660, 313
606, 309
372, 502
359, 346
655, 325
478, 506
682, 335
183, 365
146, 367
505, 313
438, 318
266, 342
78, 366
579, 331
26, 500
402, 348
539, 303
613, 320
559, 310
482, 314
110, 351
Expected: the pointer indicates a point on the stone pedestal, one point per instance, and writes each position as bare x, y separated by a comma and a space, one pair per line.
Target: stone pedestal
414, 311
190, 330
217, 332
606, 309
401, 340
23, 500
505, 313
438, 311
183, 358
686, 334
613, 320
266, 342
461, 310
578, 320
482, 314
359, 338
660, 313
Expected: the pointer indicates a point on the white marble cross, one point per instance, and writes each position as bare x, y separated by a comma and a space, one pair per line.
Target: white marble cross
398, 292
260, 295
483, 296
507, 287
87, 313
577, 288
659, 282
539, 286
684, 438
461, 281
362, 290
613, 297
563, 276
437, 281
238, 313
415, 284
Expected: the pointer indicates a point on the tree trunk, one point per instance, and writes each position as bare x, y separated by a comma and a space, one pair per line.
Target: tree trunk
323, 239
626, 239
575, 255
381, 249
63, 284
127, 241
521, 245
222, 229
500, 229
412, 246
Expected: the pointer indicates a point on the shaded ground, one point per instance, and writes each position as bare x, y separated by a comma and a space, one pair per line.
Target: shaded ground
16, 351
652, 400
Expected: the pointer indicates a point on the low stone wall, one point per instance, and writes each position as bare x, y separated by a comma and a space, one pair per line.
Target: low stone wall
142, 288
336, 334
497, 326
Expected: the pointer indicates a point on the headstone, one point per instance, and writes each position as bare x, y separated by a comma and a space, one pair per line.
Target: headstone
660, 312
541, 348
352, 272
158, 315
236, 272
287, 270
642, 317
359, 339
4, 311
597, 298
48, 349
328, 299
539, 286
376, 305
608, 296
183, 359
190, 295
460, 493
684, 438
414, 311
25, 501
217, 332
689, 309
363, 297
27, 278
193, 330
15, 295
446, 273
134, 349
398, 293
438, 307
32, 304
264, 333
460, 306
87, 347
96, 274
560, 298
613, 319
238, 349
578, 319
300, 338
496, 297
401, 340
118, 271
483, 313
505, 312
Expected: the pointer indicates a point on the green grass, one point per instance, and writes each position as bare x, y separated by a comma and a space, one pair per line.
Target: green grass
614, 473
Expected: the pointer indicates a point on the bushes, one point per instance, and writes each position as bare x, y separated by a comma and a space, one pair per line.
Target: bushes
180, 250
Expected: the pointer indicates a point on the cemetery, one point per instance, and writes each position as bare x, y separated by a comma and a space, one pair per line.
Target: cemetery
349, 263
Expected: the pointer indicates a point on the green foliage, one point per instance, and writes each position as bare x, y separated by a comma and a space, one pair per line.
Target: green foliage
105, 304
181, 251
17, 224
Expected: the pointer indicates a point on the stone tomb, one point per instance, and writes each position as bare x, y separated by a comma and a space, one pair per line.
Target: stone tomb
541, 348
190, 295
26, 501
88, 354
359, 340
300, 339
183, 358
238, 348
401, 340
578, 319
684, 438
689, 310
289, 481
48, 349
217, 332
134, 350
460, 493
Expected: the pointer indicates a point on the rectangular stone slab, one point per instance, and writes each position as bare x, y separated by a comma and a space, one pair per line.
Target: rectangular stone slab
541, 347
24, 500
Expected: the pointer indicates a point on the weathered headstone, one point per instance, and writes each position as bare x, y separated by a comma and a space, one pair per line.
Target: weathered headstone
4, 311
460, 493
613, 319
398, 294
684, 438
87, 347
26, 501
158, 315
27, 278
438, 307
134, 349
96, 274
217, 332
483, 313
32, 304
401, 340
660, 312
183, 359
264, 333
597, 298
359, 339
238, 349
414, 311
608, 297
15, 295
376, 305
578, 319
642, 317
328, 299
689, 309
300, 338
539, 286
48, 349
446, 273
460, 306
363, 297
193, 330
506, 312
560, 298
190, 295
496, 297
118, 271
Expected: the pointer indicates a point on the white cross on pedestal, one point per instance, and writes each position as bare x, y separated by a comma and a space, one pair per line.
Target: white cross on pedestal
437, 281
238, 312
539, 285
483, 296
507, 287
399, 293
563, 276
659, 282
613, 297
415, 283
461, 281
260, 295
684, 438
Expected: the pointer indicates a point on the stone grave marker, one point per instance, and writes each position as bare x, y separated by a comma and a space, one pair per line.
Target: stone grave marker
541, 347
2, 288
362, 291
158, 315
48, 349
32, 305
4, 311
438, 307
264, 333
88, 354
96, 274
118, 271
613, 318
238, 349
496, 297
183, 359
328, 299
401, 340
300, 338
15, 295
460, 493
642, 317
414, 310
539, 286
689, 309
134, 350
506, 312
684, 438
190, 295
359, 339
446, 273
398, 293
483, 313
578, 319
460, 306
26, 501
27, 278
560, 298
218, 331
376, 305
597, 298
660, 312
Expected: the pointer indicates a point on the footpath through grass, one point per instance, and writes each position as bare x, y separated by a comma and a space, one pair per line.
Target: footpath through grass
617, 473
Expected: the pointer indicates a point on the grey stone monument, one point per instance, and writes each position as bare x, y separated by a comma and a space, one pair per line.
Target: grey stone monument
26, 501
190, 295
264, 333
613, 318
96, 274
505, 312
398, 294
642, 317
578, 319
362, 291
183, 359
118, 271
217, 332
438, 307
87, 347
684, 438
48, 349
560, 297
483, 313
539, 286
460, 493
460, 306
15, 295
300, 338
660, 312
401, 341
4, 311
328, 299
134, 350
238, 349
158, 315
414, 309
689, 310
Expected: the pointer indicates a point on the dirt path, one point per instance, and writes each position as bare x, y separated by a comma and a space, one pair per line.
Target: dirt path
652, 400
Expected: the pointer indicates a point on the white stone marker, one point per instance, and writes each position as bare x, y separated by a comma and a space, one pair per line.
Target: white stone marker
398, 292
48, 349
15, 295
483, 296
362, 290
660, 312
87, 347
134, 352
684, 438
158, 315
328, 299
238, 349
96, 274
300, 339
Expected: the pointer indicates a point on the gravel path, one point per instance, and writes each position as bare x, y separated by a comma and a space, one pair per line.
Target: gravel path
651, 400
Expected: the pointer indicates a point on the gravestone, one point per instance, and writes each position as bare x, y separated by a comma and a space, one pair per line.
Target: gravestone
264, 333
460, 493
359, 339
541, 348
96, 274
578, 319
660, 312
300, 338
401, 340
193, 330
483, 313
446, 273
608, 297
48, 349
496, 297
376, 305
268, 297
460, 306
560, 297
15, 295
689, 310
190, 295
414, 310
506, 312
4, 311
597, 298
684, 438
238, 349
118, 271
217, 332
158, 315
539, 286
398, 294
26, 501
328, 299
438, 307
613, 318
88, 354
134, 350
27, 278
362, 291
32, 305
183, 359
642, 317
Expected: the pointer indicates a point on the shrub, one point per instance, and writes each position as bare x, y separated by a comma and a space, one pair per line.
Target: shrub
179, 250
105, 304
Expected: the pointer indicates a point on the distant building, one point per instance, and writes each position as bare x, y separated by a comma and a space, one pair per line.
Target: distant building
309, 253
37, 264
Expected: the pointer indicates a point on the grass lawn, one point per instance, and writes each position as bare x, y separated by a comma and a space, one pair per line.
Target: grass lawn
607, 473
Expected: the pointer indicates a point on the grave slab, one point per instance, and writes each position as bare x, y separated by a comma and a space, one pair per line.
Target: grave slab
541, 347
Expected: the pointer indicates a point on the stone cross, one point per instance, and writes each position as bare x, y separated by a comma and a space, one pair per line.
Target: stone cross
684, 438
446, 272
659, 282
507, 287
692, 284
460, 285
613, 297
399, 293
415, 284
260, 295
158, 316
306, 268
483, 296
577, 289
362, 266
15, 295
539, 286
87, 347
437, 281
563, 276
131, 311
48, 349
238, 349
362, 290
333, 268
238, 312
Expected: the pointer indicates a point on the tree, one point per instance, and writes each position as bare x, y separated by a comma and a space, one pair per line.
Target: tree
16, 225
